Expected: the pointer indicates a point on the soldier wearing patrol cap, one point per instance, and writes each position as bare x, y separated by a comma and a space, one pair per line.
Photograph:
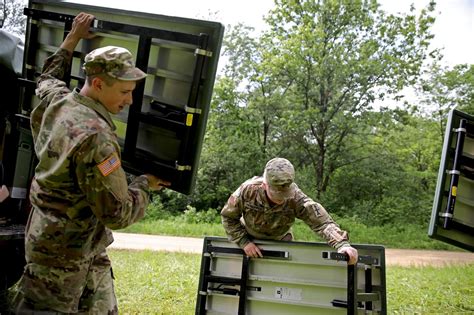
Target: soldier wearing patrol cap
265, 207
80, 190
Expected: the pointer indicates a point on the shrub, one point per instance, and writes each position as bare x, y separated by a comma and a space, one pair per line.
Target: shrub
156, 210
191, 215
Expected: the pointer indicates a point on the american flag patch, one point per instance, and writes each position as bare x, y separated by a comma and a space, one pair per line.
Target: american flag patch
109, 165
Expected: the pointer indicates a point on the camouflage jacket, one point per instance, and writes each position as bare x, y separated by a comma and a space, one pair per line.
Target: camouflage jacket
80, 190
248, 214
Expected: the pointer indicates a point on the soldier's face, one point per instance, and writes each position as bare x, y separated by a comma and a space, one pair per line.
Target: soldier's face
275, 198
117, 96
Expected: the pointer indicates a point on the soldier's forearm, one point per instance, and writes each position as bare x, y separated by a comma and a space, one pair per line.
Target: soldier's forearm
70, 42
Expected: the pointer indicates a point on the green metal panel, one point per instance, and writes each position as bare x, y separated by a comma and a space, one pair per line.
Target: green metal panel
302, 283
163, 131
452, 216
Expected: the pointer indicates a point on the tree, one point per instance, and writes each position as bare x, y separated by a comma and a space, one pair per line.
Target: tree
395, 183
447, 88
12, 19
243, 114
229, 154
339, 56
262, 93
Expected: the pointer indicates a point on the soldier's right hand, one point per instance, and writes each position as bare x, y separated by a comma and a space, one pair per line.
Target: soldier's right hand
252, 250
79, 30
156, 183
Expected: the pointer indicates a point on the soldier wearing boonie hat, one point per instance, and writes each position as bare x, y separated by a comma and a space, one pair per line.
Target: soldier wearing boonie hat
265, 207
116, 62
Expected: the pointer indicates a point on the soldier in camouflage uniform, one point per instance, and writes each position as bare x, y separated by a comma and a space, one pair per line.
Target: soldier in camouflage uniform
265, 207
80, 190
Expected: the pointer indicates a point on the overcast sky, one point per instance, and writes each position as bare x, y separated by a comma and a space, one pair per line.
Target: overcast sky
454, 27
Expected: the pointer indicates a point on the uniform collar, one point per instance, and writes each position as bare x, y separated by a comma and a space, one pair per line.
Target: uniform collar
96, 106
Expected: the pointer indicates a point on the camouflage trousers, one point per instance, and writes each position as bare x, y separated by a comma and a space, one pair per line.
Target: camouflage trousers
86, 288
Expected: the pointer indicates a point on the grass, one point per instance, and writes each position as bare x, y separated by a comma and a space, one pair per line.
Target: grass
175, 228
166, 283
155, 282
430, 290
404, 236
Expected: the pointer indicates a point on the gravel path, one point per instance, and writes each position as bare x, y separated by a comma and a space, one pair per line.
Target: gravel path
397, 257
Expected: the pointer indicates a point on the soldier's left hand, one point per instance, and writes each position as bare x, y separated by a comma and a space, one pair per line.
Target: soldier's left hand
156, 183
351, 252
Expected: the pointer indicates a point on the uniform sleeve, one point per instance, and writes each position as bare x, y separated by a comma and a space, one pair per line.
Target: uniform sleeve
230, 215
51, 85
102, 179
319, 220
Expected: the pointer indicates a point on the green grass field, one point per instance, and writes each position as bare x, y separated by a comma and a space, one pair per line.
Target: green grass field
408, 236
166, 283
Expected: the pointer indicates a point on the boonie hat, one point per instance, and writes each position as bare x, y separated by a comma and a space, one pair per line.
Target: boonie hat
117, 62
279, 175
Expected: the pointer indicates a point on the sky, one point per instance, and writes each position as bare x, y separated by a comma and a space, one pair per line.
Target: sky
453, 29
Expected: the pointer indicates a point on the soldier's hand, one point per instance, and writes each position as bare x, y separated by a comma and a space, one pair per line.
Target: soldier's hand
252, 250
81, 25
351, 252
4, 193
156, 183
79, 30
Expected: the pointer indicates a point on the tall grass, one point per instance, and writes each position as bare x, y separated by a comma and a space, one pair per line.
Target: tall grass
166, 283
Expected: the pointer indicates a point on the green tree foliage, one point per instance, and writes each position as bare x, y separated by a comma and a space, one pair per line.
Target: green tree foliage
339, 56
230, 153
394, 181
304, 90
447, 88
239, 124
11, 16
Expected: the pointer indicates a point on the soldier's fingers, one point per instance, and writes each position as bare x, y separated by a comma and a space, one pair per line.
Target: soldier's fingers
250, 253
353, 255
164, 183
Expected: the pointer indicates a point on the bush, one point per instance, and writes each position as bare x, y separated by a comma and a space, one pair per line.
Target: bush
209, 216
156, 210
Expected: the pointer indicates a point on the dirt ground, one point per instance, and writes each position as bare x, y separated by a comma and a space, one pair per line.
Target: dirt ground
437, 258
393, 257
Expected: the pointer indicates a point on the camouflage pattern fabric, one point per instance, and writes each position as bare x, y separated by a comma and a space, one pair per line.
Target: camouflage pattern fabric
279, 174
248, 214
79, 192
94, 296
116, 62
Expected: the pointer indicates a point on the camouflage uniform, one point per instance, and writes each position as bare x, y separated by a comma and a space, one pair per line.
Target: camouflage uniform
79, 192
249, 214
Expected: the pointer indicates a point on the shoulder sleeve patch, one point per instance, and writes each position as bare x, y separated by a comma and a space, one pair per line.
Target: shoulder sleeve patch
109, 165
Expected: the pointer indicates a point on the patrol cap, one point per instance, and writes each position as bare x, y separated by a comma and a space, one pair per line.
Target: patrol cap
117, 62
279, 175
